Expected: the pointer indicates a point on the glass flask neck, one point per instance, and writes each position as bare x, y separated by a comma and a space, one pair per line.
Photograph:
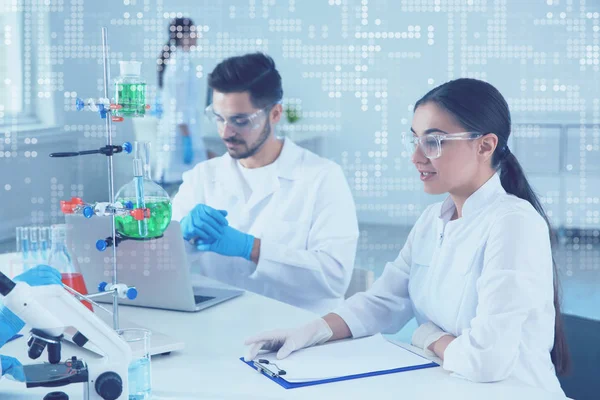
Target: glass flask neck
59, 235
142, 152
60, 258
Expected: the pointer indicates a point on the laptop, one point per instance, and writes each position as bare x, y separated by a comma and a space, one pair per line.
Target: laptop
158, 268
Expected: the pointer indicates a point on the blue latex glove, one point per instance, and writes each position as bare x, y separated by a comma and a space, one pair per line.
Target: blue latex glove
232, 243
188, 151
40, 276
12, 366
204, 223
157, 110
10, 324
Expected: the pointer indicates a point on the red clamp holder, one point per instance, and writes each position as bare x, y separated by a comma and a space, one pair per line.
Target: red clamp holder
139, 214
68, 206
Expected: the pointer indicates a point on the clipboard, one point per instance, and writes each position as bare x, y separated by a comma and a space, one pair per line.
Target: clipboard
364, 362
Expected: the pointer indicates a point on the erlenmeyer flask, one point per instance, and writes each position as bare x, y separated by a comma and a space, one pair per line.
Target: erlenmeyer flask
61, 260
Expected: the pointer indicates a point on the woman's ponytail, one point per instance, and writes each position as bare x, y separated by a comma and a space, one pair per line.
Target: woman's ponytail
161, 62
514, 182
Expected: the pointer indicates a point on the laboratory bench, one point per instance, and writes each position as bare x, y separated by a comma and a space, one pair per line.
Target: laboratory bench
210, 367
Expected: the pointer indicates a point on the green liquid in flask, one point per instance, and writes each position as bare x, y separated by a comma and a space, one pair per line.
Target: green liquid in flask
132, 98
160, 217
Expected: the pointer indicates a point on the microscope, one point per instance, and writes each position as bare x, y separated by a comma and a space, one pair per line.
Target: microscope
49, 310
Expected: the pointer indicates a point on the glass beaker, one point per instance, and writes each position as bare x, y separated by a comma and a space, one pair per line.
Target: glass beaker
61, 260
140, 372
130, 90
154, 198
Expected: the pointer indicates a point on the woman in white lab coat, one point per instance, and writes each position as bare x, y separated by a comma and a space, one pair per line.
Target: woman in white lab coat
477, 270
179, 143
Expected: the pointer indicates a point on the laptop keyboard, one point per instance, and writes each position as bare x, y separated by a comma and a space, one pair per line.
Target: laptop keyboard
202, 299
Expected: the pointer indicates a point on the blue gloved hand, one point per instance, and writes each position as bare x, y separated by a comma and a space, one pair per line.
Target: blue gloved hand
157, 110
10, 324
204, 223
12, 366
40, 276
232, 243
188, 151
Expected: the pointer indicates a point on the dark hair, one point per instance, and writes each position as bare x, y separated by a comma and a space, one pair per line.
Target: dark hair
254, 73
176, 29
479, 107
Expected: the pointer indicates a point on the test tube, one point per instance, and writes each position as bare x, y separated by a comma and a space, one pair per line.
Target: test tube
25, 246
48, 231
18, 238
43, 238
34, 243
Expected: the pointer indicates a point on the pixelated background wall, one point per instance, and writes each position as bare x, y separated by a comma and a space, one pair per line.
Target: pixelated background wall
353, 67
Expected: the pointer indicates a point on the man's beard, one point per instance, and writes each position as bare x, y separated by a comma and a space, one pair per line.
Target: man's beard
250, 151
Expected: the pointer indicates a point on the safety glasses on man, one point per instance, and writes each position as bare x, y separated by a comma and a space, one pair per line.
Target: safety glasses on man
240, 123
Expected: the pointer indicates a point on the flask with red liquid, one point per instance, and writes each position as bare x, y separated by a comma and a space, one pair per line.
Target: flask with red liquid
61, 260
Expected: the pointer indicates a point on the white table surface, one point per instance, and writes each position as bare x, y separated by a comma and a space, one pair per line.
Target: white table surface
209, 367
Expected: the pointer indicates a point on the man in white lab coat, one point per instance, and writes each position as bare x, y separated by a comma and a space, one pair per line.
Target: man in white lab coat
268, 216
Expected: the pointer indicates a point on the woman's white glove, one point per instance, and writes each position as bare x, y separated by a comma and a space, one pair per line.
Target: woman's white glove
286, 341
426, 334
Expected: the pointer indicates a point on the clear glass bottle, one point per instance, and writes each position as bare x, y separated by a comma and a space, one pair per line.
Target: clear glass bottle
61, 260
143, 193
130, 90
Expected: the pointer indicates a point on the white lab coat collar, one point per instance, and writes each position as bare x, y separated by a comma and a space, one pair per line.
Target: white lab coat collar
288, 166
478, 200
179, 55
288, 163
